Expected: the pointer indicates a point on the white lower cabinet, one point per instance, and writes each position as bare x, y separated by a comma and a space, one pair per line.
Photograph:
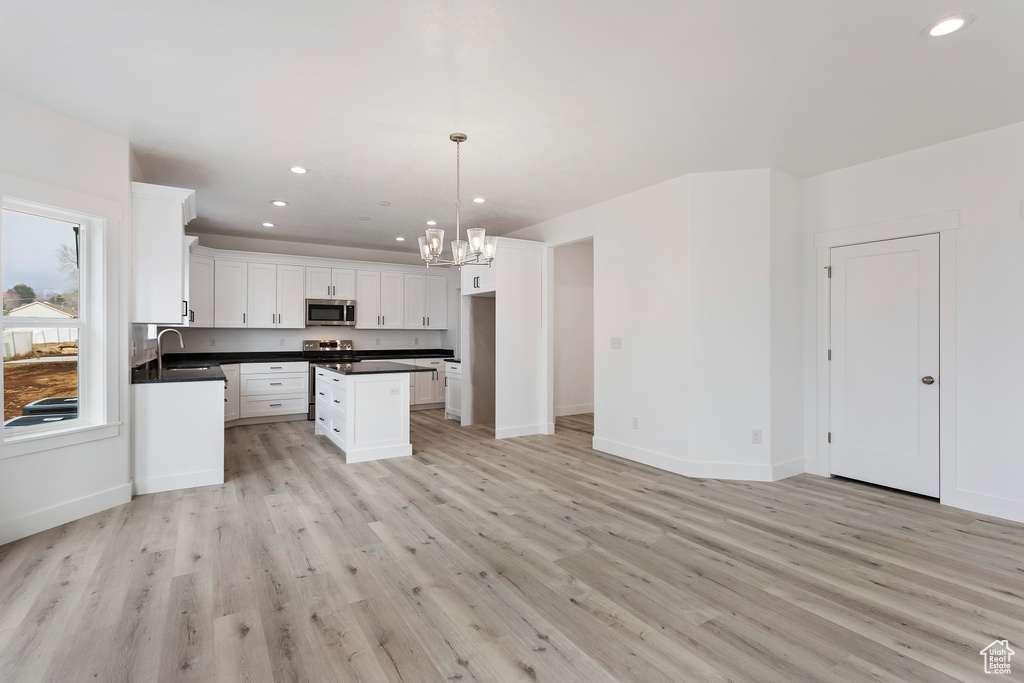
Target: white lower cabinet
230, 392
366, 416
267, 389
430, 386
453, 391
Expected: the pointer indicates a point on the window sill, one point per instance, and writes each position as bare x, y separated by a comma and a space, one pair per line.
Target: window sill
14, 446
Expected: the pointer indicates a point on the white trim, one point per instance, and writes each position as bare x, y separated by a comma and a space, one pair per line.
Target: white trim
889, 230
562, 411
985, 504
700, 469
944, 223
523, 430
173, 482
40, 520
642, 455
26, 444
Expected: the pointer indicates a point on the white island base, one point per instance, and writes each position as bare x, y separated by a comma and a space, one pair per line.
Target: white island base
365, 415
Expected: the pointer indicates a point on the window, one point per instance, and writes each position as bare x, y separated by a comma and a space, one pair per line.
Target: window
52, 336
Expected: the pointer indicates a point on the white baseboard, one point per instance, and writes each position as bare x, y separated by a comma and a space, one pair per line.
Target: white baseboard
382, 453
41, 520
179, 481
641, 455
698, 469
789, 468
524, 430
561, 411
1004, 508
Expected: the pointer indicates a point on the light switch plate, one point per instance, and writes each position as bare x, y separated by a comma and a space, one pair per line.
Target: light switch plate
616, 342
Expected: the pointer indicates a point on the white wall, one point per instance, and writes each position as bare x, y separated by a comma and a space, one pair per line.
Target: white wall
683, 274
60, 161
982, 177
573, 328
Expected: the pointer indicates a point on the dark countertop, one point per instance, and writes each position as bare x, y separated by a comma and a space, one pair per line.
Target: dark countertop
452, 360
178, 372
230, 357
205, 366
371, 368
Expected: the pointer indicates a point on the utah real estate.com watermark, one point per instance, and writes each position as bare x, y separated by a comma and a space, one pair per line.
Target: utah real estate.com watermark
997, 657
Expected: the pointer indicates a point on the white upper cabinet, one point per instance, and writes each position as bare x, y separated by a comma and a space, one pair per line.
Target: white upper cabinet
159, 215
275, 296
291, 304
415, 300
229, 294
437, 302
330, 283
478, 279
200, 290
380, 300
426, 301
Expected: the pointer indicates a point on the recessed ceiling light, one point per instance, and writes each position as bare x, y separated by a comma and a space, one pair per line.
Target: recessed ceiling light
947, 25
268, 225
399, 239
298, 169
431, 222
279, 202
384, 203
479, 200
364, 218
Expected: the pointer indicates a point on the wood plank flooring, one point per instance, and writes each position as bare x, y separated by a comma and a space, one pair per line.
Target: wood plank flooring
533, 559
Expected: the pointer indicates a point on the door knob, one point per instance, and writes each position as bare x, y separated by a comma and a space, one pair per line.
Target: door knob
928, 379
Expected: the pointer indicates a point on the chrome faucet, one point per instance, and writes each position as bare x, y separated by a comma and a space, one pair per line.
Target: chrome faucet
160, 352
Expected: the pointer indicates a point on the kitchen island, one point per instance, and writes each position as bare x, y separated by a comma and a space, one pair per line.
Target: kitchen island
363, 408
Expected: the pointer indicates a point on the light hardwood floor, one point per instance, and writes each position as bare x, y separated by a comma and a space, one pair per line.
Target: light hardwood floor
534, 559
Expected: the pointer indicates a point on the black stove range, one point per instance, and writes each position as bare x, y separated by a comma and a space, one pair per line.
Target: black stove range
327, 351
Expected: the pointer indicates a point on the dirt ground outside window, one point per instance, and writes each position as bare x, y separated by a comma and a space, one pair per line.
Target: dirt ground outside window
27, 382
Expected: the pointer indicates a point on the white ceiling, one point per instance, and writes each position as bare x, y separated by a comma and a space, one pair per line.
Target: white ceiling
566, 102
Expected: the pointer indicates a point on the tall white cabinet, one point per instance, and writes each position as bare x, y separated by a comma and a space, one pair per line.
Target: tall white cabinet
159, 216
231, 286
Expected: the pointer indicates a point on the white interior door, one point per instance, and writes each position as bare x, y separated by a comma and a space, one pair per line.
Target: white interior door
884, 372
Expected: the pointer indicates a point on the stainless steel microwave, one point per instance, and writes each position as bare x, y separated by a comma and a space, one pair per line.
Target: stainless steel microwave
330, 312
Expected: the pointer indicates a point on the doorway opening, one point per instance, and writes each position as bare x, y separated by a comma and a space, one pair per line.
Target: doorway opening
573, 336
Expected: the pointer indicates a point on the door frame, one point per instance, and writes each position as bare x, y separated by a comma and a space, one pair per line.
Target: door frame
945, 224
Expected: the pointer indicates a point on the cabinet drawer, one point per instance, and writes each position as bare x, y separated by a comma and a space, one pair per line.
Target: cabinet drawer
268, 368
336, 425
336, 399
259, 406
453, 369
322, 392
261, 385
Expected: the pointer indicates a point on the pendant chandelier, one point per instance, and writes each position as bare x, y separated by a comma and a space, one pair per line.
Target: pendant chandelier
477, 249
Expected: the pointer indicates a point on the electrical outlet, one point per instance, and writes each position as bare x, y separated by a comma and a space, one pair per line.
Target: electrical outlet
378, 341
135, 348
395, 391
617, 344
415, 341
282, 341
755, 436
636, 423
213, 341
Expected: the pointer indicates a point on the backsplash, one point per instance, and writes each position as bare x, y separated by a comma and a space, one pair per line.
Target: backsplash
216, 340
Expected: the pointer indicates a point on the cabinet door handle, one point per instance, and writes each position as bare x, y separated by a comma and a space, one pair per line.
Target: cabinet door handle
428, 322
184, 308
423, 321
243, 318
275, 405
445, 383
337, 401
321, 393
191, 316
321, 419
276, 367
337, 430
275, 384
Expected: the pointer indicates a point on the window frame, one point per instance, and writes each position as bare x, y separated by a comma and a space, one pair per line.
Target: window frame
97, 417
